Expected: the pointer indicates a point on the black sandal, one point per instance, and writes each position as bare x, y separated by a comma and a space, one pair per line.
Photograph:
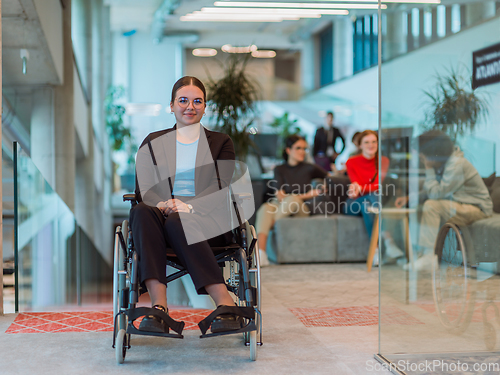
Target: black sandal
226, 322
151, 323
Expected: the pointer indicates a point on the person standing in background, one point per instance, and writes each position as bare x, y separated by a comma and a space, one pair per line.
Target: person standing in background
324, 151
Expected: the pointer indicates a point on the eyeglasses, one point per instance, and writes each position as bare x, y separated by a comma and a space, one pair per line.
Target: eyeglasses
306, 149
184, 102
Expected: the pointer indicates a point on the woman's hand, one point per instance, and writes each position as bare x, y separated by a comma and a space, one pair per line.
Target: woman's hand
401, 201
280, 195
354, 190
172, 205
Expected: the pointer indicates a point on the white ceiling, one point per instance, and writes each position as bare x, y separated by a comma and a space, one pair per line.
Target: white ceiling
127, 15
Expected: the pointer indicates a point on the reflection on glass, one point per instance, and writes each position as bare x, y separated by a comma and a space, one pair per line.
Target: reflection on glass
440, 229
57, 262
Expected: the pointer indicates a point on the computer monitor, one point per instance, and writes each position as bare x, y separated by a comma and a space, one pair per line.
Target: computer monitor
266, 144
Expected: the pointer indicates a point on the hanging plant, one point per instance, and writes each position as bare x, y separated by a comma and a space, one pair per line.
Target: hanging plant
231, 100
454, 107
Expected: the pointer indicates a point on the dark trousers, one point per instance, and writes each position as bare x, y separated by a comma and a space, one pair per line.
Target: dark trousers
153, 234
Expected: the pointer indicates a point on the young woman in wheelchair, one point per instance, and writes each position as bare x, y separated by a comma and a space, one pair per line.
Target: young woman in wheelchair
175, 188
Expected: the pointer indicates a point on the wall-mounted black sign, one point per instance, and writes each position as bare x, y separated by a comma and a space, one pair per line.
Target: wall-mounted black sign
486, 66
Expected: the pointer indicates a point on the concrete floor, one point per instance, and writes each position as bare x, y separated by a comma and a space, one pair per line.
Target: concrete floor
289, 346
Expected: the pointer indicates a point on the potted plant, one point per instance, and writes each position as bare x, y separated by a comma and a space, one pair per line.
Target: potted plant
284, 127
455, 107
120, 136
231, 101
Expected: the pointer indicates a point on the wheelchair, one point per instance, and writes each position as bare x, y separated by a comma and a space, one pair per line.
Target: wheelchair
240, 259
455, 280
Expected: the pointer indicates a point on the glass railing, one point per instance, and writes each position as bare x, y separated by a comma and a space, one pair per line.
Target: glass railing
56, 262
439, 246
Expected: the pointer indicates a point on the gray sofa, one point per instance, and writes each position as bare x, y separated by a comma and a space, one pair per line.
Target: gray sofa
315, 239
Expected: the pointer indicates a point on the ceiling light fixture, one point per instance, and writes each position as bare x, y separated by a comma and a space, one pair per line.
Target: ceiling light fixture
230, 49
237, 17
273, 11
297, 5
204, 52
258, 4
264, 54
256, 15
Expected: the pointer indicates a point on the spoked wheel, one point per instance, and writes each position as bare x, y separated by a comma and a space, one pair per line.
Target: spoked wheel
453, 279
121, 346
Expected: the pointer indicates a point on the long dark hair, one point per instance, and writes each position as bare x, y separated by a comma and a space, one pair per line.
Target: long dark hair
360, 139
186, 81
290, 141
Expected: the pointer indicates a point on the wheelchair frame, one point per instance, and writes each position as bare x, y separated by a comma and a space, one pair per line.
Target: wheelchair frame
243, 282
454, 270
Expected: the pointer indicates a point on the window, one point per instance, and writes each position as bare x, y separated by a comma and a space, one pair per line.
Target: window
365, 42
455, 19
326, 56
441, 21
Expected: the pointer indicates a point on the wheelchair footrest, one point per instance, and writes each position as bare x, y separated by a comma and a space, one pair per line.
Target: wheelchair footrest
244, 312
175, 325
132, 330
248, 328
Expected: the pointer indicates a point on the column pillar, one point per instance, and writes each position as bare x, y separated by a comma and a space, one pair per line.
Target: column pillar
410, 42
434, 34
307, 65
448, 20
342, 48
64, 135
395, 43
42, 133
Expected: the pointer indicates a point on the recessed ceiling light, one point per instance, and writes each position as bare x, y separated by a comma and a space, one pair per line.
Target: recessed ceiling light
273, 11
264, 54
230, 49
204, 52
298, 5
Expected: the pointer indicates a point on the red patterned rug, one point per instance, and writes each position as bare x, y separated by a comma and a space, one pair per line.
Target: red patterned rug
352, 316
88, 321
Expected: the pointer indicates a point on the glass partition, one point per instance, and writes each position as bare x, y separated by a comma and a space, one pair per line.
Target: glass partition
440, 218
56, 262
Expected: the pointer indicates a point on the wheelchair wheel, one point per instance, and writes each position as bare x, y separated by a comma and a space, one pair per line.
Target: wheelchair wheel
120, 278
121, 346
453, 279
253, 345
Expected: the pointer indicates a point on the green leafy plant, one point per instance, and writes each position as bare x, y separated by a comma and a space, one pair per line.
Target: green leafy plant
454, 108
119, 134
231, 100
284, 127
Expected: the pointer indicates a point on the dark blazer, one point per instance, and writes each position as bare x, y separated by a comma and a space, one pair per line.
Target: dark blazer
321, 141
206, 180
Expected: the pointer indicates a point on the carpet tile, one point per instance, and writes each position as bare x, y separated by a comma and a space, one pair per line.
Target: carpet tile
88, 321
352, 316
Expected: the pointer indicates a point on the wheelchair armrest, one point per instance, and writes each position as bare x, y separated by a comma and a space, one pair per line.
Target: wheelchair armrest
129, 197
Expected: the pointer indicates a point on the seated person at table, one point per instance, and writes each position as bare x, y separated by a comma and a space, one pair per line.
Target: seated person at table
364, 175
452, 187
294, 195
